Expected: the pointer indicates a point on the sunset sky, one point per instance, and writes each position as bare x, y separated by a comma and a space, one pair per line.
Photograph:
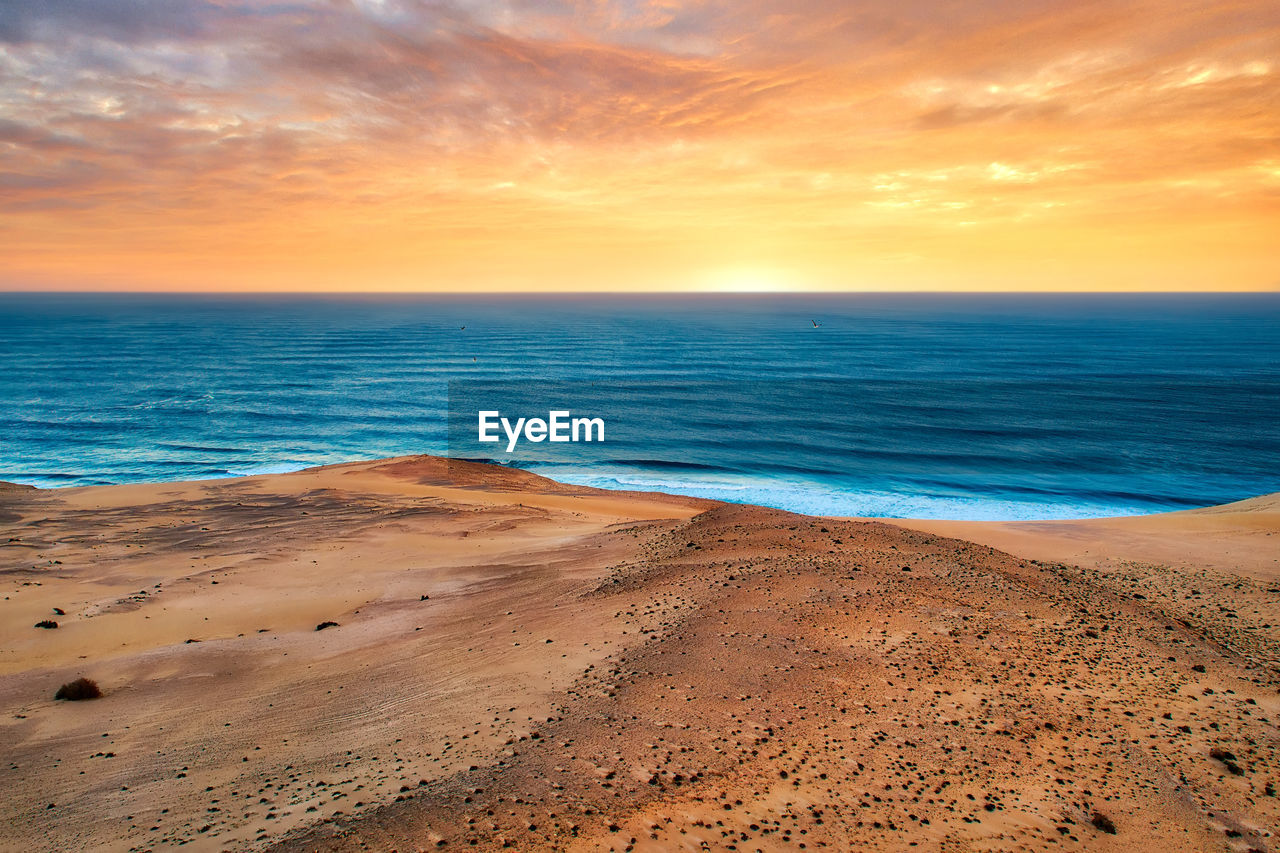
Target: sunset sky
381, 145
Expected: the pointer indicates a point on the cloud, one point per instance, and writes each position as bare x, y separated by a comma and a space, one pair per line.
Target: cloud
124, 21
36, 138
171, 116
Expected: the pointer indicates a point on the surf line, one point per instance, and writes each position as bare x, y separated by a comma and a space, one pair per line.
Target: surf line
557, 426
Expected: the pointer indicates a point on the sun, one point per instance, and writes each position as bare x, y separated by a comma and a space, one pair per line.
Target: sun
748, 280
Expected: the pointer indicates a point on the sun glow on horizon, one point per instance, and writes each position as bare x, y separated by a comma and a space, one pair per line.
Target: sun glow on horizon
749, 280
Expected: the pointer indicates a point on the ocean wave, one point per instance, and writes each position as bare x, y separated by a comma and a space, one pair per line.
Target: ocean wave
822, 499
268, 468
200, 448
665, 464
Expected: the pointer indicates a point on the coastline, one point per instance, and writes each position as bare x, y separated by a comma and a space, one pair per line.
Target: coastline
813, 497
691, 669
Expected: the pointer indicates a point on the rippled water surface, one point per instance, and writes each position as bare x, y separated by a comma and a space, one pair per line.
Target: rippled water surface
946, 406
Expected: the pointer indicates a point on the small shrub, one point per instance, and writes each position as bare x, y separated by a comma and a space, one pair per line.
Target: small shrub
324, 625
59, 611
80, 689
46, 623
1103, 823
1228, 760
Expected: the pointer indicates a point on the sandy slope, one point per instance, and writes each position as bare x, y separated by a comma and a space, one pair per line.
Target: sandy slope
597, 671
1242, 538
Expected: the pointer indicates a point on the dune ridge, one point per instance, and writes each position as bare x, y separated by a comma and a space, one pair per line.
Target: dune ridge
521, 664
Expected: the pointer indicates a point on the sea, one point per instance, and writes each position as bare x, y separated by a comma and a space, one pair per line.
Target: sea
965, 406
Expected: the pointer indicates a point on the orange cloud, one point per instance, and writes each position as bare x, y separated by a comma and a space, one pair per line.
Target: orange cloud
384, 145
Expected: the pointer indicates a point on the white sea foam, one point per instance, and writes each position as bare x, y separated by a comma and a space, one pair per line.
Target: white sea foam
268, 468
822, 499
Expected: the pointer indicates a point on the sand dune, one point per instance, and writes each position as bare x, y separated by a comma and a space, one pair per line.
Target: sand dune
522, 664
1241, 538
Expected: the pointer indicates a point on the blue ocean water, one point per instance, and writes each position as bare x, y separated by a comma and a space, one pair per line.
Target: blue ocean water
964, 406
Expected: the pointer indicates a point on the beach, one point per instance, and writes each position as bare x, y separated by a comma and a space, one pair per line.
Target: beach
517, 663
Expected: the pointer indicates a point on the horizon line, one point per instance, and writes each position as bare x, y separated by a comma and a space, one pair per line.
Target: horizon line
679, 293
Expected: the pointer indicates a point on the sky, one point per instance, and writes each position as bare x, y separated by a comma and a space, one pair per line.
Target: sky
381, 145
